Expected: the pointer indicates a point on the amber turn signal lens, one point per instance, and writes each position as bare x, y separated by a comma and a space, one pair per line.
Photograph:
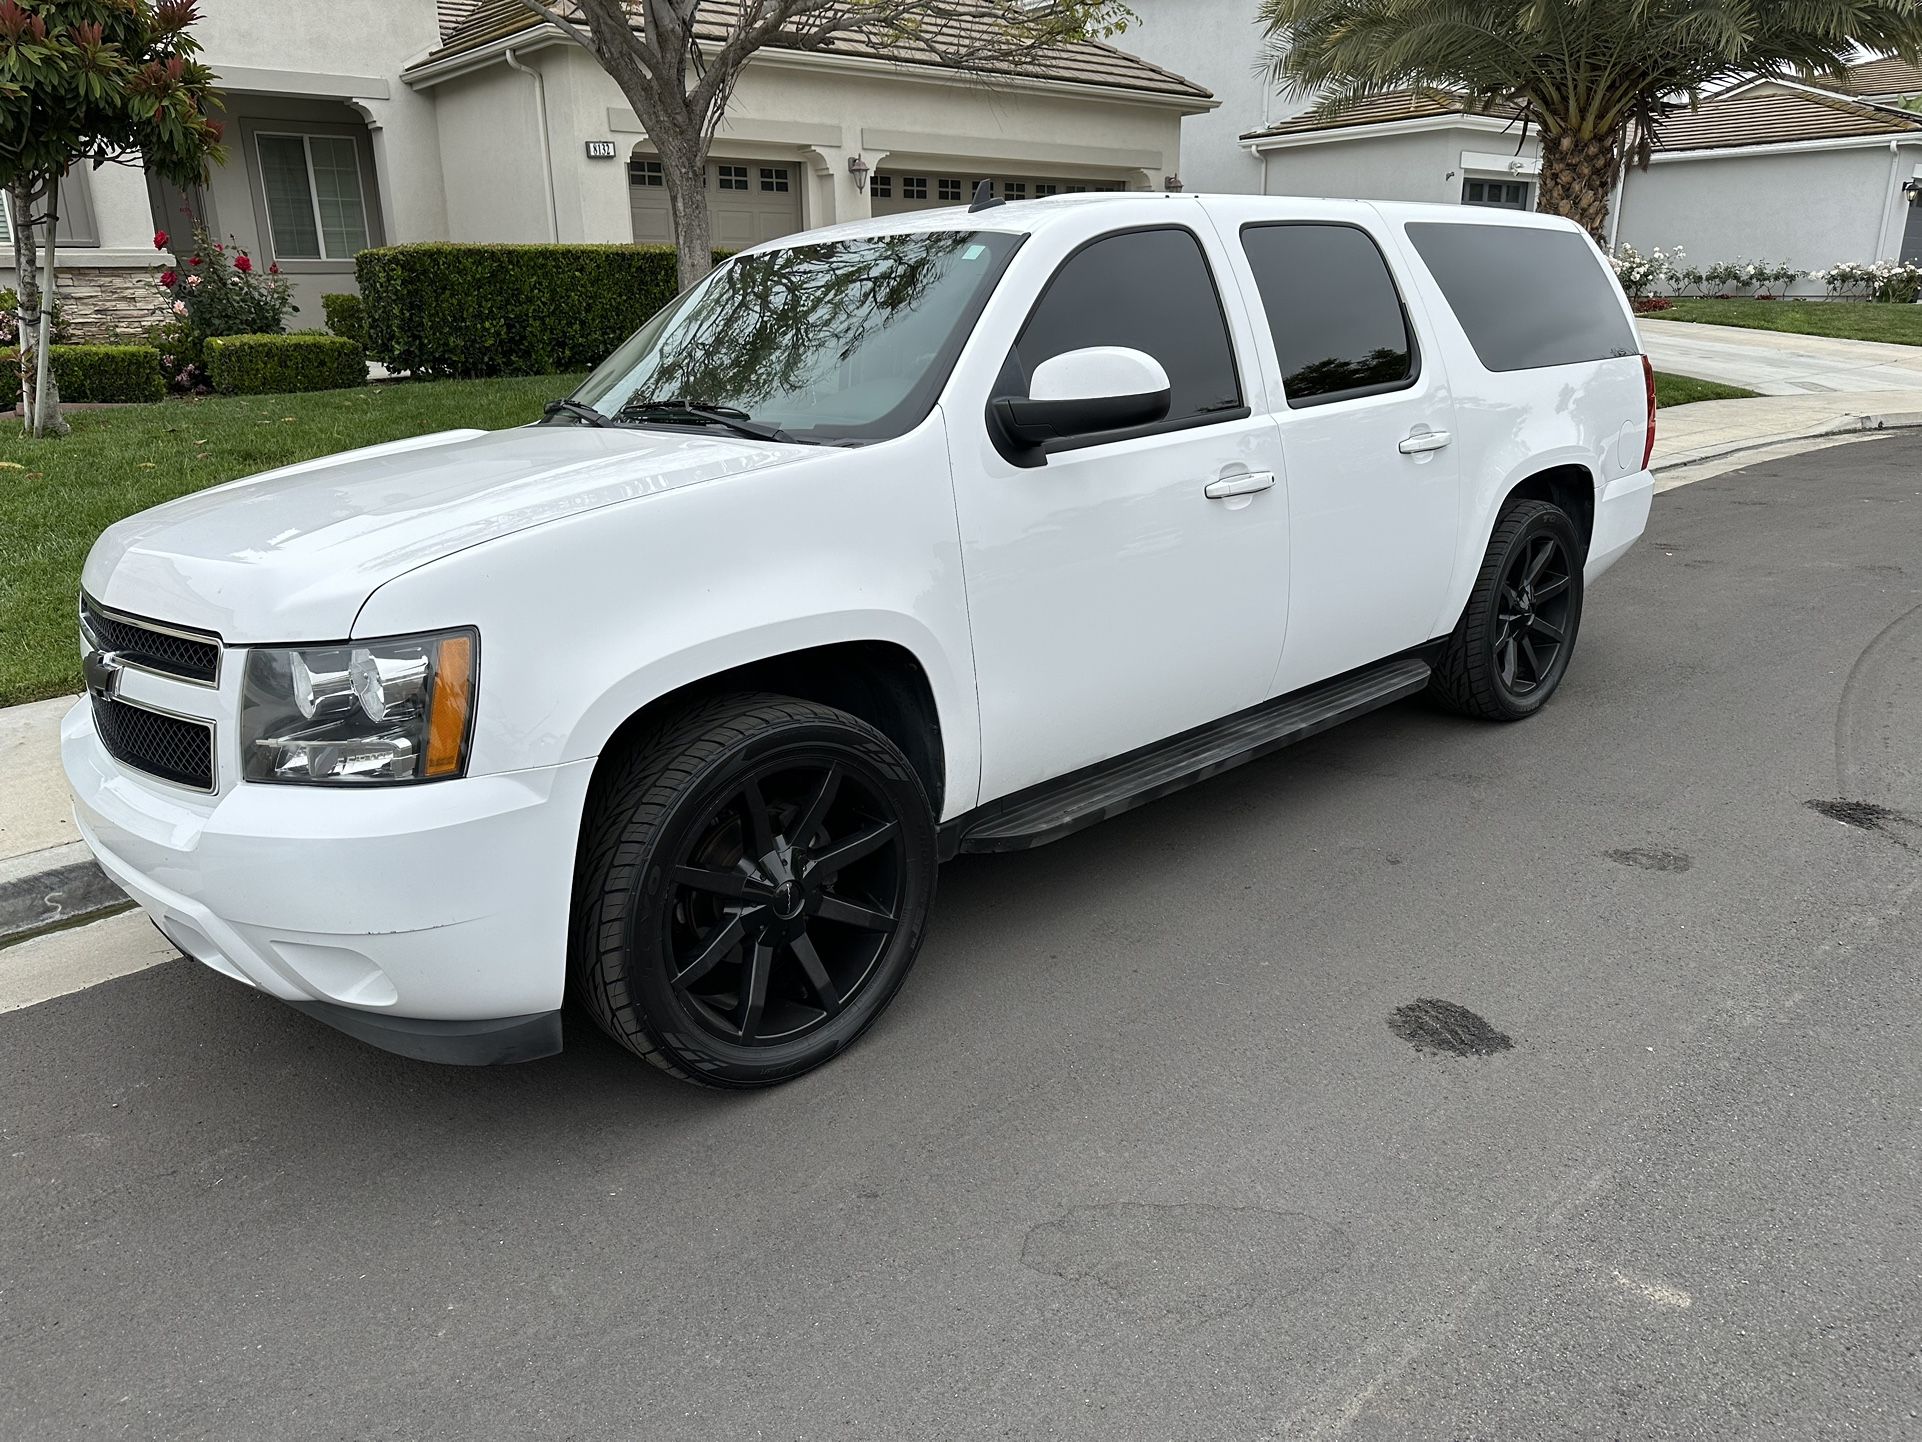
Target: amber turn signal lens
453, 700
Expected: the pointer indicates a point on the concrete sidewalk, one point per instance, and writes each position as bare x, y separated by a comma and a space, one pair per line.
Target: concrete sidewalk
47, 876
1777, 363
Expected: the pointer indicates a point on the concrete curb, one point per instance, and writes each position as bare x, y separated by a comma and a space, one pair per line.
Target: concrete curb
59, 885
1841, 426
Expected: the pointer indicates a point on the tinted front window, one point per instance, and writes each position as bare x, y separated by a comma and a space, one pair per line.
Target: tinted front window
1527, 296
1150, 290
849, 340
1332, 306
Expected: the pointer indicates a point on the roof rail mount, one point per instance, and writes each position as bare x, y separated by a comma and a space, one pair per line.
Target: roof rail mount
984, 198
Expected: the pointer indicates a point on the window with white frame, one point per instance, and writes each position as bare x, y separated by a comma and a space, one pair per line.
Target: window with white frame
316, 203
6, 219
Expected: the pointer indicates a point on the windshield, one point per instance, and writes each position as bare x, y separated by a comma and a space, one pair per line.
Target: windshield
847, 340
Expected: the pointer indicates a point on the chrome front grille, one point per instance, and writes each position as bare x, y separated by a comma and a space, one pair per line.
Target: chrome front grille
151, 645
174, 748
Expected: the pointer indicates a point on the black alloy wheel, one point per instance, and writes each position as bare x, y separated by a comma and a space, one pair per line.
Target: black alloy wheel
1536, 593
785, 901
1511, 647
753, 887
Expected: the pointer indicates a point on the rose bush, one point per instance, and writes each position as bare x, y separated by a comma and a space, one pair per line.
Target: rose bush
221, 292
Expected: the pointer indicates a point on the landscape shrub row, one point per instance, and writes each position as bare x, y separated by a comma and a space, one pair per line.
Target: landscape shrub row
1664, 271
258, 365
486, 310
91, 373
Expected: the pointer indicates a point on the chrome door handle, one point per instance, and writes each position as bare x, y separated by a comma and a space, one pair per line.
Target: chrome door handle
1242, 485
1424, 441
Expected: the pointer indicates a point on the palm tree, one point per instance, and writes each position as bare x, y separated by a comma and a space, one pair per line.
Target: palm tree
1594, 77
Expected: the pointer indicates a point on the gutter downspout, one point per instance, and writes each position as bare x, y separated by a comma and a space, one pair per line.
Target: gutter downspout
1895, 172
547, 149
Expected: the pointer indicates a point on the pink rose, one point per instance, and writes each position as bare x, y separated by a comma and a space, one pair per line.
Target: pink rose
194, 281
180, 307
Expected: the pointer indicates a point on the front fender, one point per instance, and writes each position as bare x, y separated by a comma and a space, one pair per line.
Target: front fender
586, 619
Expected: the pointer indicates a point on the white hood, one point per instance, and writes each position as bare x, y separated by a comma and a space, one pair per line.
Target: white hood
293, 554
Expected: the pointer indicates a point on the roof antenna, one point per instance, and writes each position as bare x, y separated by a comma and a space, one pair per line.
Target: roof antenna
984, 198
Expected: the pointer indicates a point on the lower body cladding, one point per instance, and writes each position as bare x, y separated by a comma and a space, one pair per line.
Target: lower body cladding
430, 920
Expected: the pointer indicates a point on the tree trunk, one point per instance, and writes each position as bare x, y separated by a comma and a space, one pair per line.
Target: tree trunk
42, 411
1578, 180
685, 169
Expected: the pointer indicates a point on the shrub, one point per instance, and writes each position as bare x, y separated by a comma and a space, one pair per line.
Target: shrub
1892, 281
346, 316
10, 319
255, 365
1652, 304
484, 310
1641, 274
218, 291
92, 373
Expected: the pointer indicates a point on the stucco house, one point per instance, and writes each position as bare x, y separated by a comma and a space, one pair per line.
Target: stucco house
364, 122
1773, 170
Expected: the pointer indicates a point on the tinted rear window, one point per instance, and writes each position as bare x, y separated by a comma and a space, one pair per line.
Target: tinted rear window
1527, 297
1333, 310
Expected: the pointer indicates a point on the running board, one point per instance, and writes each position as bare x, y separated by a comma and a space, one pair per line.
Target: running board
1108, 790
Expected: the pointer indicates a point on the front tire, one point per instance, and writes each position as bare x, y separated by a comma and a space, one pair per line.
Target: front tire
753, 888
1511, 647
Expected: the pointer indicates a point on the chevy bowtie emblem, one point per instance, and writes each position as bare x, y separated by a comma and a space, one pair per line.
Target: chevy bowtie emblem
102, 670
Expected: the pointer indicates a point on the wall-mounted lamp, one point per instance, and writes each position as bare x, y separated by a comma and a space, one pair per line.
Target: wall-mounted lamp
1171, 183
1913, 190
858, 168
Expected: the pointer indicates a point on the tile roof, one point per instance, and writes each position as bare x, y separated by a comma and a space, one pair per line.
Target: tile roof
1086, 62
1767, 115
1888, 76
1778, 116
1385, 109
452, 12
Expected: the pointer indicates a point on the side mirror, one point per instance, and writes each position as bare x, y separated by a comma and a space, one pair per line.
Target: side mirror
1084, 392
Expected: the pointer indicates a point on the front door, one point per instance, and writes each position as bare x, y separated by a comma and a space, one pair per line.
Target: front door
1113, 602
1374, 477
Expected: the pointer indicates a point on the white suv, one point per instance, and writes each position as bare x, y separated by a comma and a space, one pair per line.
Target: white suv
947, 532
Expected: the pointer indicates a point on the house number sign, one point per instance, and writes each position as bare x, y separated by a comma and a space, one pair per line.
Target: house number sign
600, 150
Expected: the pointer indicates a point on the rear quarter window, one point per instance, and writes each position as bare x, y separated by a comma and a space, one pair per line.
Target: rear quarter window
1527, 297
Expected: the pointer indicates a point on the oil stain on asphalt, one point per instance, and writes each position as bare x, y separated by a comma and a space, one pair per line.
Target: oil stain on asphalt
1865, 816
1444, 1029
1650, 858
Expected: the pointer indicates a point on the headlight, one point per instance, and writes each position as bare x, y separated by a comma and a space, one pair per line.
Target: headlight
376, 711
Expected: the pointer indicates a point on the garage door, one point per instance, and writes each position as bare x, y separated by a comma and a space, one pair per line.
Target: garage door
750, 201
896, 192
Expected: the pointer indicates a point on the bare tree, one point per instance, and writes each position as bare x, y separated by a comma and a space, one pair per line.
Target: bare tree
678, 61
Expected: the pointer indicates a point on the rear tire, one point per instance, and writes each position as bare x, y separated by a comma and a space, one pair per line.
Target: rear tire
753, 887
1511, 648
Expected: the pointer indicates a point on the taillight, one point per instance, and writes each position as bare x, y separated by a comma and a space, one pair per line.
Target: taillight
1648, 384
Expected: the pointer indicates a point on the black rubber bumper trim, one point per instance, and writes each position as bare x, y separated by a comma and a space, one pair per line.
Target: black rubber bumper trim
494, 1041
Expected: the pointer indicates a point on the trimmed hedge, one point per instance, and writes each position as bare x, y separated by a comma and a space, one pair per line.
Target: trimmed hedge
258, 365
489, 310
94, 374
346, 316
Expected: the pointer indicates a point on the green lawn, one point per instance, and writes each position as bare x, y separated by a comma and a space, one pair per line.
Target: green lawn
56, 496
1673, 390
1847, 319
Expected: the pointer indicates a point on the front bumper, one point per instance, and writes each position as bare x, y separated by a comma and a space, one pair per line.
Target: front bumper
430, 919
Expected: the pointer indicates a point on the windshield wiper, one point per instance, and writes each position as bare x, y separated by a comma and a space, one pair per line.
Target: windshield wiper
734, 420
576, 409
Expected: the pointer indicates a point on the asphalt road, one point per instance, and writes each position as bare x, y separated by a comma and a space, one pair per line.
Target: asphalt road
1137, 1154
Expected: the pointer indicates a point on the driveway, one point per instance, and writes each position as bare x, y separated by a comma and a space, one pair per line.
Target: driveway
1146, 1148
1775, 363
